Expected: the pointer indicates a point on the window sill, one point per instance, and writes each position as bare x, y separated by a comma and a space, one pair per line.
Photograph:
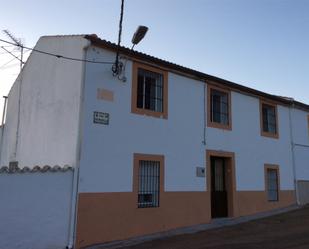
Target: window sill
219, 126
149, 113
273, 200
270, 135
141, 208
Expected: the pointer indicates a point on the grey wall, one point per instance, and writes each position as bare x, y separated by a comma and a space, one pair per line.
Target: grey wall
303, 189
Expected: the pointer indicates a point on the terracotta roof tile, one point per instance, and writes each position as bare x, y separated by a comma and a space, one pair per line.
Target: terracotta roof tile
35, 169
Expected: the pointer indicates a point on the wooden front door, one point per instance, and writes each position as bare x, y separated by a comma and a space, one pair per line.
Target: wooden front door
219, 207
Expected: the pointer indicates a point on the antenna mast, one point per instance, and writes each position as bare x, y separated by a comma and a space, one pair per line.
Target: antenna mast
18, 43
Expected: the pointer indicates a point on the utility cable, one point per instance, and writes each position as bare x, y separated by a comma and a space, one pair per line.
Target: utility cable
2, 66
120, 23
10, 66
6, 63
57, 55
115, 67
12, 55
8, 46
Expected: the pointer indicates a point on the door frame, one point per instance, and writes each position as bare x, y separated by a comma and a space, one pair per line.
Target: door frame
230, 178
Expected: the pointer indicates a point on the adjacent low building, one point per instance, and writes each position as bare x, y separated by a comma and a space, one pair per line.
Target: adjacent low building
158, 146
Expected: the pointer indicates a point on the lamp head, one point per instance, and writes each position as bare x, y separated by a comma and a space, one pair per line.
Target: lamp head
139, 34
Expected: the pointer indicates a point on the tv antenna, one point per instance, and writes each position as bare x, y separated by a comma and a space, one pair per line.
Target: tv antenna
19, 44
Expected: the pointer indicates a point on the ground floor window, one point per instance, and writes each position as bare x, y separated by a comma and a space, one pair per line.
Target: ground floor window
272, 182
148, 179
148, 183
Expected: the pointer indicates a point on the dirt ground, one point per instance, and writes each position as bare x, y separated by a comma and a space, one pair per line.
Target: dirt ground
284, 231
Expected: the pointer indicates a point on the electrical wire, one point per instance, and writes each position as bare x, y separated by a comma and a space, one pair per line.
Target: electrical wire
8, 46
9, 66
4, 52
59, 56
2, 66
120, 23
115, 67
6, 63
13, 55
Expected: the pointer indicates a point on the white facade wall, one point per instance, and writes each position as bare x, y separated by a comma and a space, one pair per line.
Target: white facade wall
49, 106
251, 149
35, 210
107, 150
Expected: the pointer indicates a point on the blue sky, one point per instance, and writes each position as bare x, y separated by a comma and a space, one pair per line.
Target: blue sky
263, 44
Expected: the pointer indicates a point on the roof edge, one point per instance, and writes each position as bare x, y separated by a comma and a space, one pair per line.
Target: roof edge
96, 41
35, 169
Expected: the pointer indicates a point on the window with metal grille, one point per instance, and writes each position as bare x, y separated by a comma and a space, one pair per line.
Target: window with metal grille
148, 184
269, 118
272, 184
149, 90
219, 107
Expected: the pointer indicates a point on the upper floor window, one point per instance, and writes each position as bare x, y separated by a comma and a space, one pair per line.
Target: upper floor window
149, 91
269, 119
219, 108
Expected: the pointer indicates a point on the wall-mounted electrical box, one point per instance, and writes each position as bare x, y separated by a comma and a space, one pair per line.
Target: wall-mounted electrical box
200, 172
13, 166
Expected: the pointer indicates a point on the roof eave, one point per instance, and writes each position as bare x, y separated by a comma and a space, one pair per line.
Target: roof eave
202, 76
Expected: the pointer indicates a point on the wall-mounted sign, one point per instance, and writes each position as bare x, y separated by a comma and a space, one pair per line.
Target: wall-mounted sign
101, 118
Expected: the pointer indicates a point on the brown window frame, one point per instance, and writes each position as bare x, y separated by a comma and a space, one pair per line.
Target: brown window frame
210, 122
268, 167
143, 111
136, 164
267, 133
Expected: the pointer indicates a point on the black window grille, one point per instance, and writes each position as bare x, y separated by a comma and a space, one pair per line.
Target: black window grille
269, 119
148, 184
272, 184
219, 107
149, 90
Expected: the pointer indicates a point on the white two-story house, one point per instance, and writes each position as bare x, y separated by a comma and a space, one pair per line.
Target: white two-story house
158, 147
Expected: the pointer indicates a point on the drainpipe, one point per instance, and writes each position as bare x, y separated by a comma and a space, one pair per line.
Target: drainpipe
2, 124
75, 181
4, 108
20, 78
293, 153
204, 114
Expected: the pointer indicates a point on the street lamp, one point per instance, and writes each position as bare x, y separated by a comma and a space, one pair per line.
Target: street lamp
118, 67
139, 35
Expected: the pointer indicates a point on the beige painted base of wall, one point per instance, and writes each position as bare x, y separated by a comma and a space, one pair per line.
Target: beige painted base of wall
252, 202
104, 217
